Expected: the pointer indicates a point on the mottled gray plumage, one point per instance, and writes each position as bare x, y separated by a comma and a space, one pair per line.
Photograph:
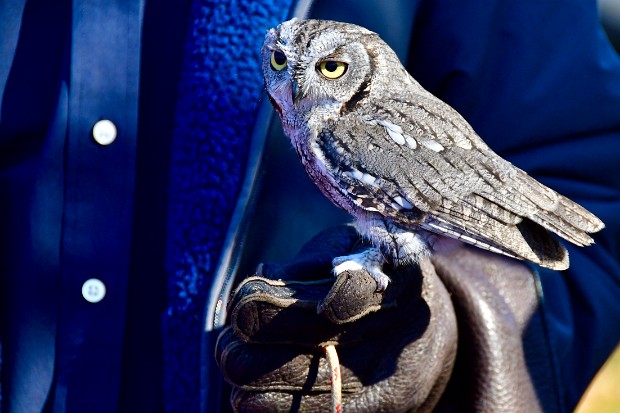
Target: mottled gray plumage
406, 165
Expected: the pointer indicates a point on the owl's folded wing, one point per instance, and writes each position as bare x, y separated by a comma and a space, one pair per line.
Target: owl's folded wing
436, 173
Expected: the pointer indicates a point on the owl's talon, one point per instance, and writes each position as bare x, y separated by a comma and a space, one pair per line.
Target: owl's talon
369, 260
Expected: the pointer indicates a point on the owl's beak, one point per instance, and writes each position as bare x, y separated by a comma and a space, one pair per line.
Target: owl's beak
294, 90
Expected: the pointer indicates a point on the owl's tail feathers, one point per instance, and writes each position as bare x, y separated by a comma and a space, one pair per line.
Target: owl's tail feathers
526, 240
540, 247
562, 216
519, 224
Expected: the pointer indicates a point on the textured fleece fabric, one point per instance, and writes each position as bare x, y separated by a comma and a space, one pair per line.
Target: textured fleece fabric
219, 89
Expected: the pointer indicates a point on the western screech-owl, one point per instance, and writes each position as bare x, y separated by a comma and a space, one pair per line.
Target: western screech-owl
406, 165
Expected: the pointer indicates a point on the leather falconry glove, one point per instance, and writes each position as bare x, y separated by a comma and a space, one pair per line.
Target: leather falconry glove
397, 348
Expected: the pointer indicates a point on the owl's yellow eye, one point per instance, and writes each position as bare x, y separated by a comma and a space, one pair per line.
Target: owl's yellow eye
278, 60
332, 69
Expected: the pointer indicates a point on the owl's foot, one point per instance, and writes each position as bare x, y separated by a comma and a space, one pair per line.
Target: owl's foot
402, 245
370, 260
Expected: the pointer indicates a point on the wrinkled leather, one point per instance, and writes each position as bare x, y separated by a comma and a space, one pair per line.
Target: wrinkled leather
494, 298
397, 349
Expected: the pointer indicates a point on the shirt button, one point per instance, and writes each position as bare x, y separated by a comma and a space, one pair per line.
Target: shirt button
93, 290
104, 132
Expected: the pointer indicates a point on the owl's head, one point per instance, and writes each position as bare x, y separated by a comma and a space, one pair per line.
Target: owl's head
320, 64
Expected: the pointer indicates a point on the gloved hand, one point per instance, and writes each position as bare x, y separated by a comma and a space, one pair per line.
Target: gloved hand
396, 348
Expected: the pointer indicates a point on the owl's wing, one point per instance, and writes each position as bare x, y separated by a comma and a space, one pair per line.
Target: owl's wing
422, 165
